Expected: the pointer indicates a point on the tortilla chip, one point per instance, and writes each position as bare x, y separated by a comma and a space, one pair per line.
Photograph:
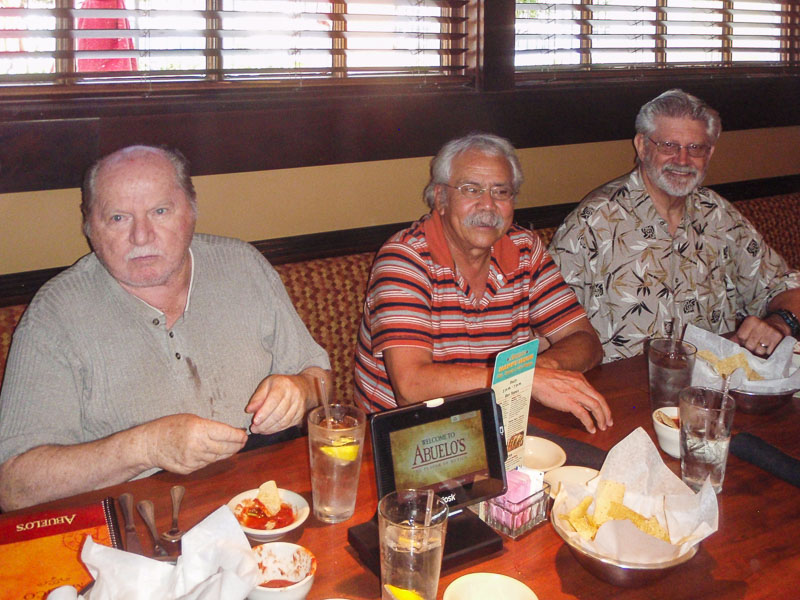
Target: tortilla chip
268, 496
577, 518
607, 492
649, 526
584, 528
726, 366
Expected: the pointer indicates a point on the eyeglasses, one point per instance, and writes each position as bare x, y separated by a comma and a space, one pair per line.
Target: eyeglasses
673, 148
501, 193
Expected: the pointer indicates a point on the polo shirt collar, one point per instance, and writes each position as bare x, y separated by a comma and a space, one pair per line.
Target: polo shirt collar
504, 251
145, 308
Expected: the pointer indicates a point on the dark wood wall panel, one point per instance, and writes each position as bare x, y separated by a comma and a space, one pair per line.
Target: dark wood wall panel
48, 144
43, 154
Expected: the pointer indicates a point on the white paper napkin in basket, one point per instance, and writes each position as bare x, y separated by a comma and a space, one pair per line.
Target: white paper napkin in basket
778, 371
651, 488
216, 563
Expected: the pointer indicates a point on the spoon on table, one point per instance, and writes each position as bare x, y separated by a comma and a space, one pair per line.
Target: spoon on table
131, 540
174, 534
145, 508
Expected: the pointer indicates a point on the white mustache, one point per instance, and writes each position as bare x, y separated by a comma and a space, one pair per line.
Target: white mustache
140, 251
483, 219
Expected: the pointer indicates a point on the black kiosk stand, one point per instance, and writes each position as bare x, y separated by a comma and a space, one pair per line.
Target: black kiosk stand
454, 446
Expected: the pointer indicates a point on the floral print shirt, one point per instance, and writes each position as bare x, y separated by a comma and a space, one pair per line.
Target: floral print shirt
635, 280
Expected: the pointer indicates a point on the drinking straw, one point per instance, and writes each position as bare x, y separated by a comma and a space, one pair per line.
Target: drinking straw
426, 535
325, 405
429, 508
726, 383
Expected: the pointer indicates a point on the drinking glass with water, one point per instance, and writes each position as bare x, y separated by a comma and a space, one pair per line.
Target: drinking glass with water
670, 364
411, 530
706, 421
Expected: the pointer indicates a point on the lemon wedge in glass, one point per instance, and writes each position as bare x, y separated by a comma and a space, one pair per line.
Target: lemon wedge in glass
343, 448
401, 594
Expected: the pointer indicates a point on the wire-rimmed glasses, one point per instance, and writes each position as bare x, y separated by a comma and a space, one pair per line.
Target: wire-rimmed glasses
501, 193
673, 148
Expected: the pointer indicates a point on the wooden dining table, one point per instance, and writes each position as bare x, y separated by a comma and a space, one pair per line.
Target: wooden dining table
754, 554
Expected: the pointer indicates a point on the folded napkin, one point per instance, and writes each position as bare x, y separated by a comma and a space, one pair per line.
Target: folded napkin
216, 564
578, 453
766, 456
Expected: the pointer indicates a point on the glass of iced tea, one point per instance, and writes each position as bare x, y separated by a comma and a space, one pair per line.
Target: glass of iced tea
335, 448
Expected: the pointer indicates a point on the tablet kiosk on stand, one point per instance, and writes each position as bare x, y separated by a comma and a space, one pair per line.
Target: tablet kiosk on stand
454, 446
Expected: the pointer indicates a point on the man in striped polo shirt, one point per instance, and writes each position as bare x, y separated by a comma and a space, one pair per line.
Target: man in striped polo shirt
463, 283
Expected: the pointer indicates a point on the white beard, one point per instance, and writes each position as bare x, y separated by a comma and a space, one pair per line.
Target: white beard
679, 188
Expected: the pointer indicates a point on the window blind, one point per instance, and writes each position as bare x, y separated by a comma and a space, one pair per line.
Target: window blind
605, 34
117, 41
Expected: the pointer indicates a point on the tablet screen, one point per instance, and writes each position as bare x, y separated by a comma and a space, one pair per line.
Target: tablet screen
453, 446
441, 455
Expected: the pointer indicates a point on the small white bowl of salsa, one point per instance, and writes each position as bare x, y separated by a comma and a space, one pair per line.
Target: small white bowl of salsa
260, 527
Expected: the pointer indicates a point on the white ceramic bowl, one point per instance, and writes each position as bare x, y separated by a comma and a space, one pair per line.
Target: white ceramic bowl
570, 473
669, 438
284, 561
542, 454
296, 501
479, 586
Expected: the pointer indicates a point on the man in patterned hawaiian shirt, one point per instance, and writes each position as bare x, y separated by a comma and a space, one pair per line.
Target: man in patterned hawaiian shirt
652, 251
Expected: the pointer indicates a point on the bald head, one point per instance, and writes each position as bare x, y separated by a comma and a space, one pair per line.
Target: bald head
131, 156
139, 215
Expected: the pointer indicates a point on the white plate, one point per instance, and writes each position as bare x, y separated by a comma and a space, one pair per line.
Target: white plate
542, 454
478, 586
570, 473
296, 501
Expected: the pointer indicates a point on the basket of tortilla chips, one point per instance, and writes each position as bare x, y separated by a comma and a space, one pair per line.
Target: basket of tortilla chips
636, 521
758, 385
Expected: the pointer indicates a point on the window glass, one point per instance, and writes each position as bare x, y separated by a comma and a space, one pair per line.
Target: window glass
108, 41
606, 34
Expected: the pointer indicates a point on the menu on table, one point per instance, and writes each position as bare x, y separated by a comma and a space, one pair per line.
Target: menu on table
512, 382
40, 552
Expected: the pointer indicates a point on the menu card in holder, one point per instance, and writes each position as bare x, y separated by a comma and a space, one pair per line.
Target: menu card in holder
512, 382
41, 551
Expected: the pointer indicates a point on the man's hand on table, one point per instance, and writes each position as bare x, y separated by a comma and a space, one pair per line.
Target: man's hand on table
760, 336
569, 391
184, 443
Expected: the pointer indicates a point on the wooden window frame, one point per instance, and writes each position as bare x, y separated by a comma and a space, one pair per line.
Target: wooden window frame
48, 139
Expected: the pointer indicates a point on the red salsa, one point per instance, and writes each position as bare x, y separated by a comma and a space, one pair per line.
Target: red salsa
277, 583
253, 514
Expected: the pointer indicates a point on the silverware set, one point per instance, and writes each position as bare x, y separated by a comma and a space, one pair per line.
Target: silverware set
147, 512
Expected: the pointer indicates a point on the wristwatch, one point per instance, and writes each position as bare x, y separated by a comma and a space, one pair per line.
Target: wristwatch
789, 319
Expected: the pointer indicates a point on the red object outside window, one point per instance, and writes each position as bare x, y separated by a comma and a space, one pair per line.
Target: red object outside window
121, 43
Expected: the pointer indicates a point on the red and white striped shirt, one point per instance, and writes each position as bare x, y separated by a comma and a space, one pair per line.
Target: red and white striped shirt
416, 297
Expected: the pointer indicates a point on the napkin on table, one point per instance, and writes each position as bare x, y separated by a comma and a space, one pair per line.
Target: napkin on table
766, 456
216, 563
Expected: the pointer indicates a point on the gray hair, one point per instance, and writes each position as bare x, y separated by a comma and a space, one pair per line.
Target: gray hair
179, 162
486, 143
676, 103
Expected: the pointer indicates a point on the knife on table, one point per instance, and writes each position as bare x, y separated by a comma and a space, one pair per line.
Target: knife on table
132, 543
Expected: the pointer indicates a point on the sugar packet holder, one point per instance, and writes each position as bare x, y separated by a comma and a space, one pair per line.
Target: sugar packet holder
522, 507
